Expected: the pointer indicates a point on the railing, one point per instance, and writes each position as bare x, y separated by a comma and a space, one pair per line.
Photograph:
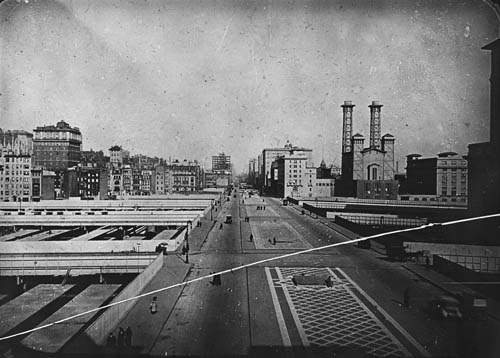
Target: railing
338, 203
384, 221
483, 264
88, 263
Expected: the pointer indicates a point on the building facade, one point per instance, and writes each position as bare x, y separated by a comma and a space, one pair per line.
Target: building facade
269, 155
86, 182
442, 178
58, 147
484, 158
366, 172
16, 149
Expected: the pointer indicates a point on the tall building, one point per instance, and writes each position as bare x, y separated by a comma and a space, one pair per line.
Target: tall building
57, 147
221, 174
367, 173
484, 158
16, 149
442, 178
221, 162
269, 155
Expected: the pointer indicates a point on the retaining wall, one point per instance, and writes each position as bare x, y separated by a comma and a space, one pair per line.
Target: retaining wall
107, 322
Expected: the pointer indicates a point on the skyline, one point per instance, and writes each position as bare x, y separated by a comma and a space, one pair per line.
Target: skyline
190, 80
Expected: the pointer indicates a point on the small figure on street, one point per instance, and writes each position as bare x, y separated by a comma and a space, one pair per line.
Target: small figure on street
406, 297
251, 237
220, 226
427, 262
274, 240
121, 337
153, 307
186, 251
128, 337
216, 281
111, 340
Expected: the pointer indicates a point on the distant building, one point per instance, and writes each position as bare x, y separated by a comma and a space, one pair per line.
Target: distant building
269, 155
145, 182
16, 149
484, 158
42, 184
57, 147
221, 162
92, 158
161, 180
252, 173
291, 176
86, 182
442, 178
221, 174
116, 156
175, 176
367, 173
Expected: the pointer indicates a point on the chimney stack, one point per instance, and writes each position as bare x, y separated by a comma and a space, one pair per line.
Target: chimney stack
375, 108
347, 126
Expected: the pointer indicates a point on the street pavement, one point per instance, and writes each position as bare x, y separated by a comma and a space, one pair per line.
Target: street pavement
259, 311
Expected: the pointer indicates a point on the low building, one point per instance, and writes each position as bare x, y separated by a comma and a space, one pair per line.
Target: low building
443, 176
86, 182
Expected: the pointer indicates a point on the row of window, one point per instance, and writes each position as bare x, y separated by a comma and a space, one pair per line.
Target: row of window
16, 173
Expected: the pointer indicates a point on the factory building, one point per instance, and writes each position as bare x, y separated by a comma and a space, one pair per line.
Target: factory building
367, 172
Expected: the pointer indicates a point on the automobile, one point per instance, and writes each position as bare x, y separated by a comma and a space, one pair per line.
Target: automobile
446, 306
229, 219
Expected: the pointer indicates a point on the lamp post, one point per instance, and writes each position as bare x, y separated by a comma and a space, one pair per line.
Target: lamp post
138, 255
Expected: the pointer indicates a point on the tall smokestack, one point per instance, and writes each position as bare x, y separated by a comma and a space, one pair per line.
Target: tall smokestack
375, 108
347, 127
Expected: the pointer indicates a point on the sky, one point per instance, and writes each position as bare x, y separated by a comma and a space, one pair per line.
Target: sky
189, 79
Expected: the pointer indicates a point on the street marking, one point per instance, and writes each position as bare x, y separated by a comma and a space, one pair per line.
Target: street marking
279, 314
396, 325
298, 324
384, 328
335, 316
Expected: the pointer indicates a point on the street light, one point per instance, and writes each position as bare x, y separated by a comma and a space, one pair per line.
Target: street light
138, 255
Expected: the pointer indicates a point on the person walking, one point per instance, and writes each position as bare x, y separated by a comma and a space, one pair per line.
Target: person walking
251, 237
111, 340
406, 297
128, 337
153, 307
121, 337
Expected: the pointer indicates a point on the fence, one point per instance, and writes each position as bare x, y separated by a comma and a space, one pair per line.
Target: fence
481, 264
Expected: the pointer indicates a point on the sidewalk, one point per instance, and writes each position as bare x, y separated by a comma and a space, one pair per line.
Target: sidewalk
449, 285
146, 326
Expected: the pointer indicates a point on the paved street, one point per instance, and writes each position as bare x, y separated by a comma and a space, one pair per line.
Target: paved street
283, 307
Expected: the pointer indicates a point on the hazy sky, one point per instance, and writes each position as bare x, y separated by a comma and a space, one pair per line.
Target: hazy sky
189, 79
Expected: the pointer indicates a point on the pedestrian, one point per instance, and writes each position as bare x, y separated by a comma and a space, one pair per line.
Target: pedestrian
427, 262
121, 337
128, 337
264, 207
111, 340
153, 307
406, 297
274, 240
251, 237
220, 226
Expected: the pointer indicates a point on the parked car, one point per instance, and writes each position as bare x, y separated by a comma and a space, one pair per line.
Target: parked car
446, 306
